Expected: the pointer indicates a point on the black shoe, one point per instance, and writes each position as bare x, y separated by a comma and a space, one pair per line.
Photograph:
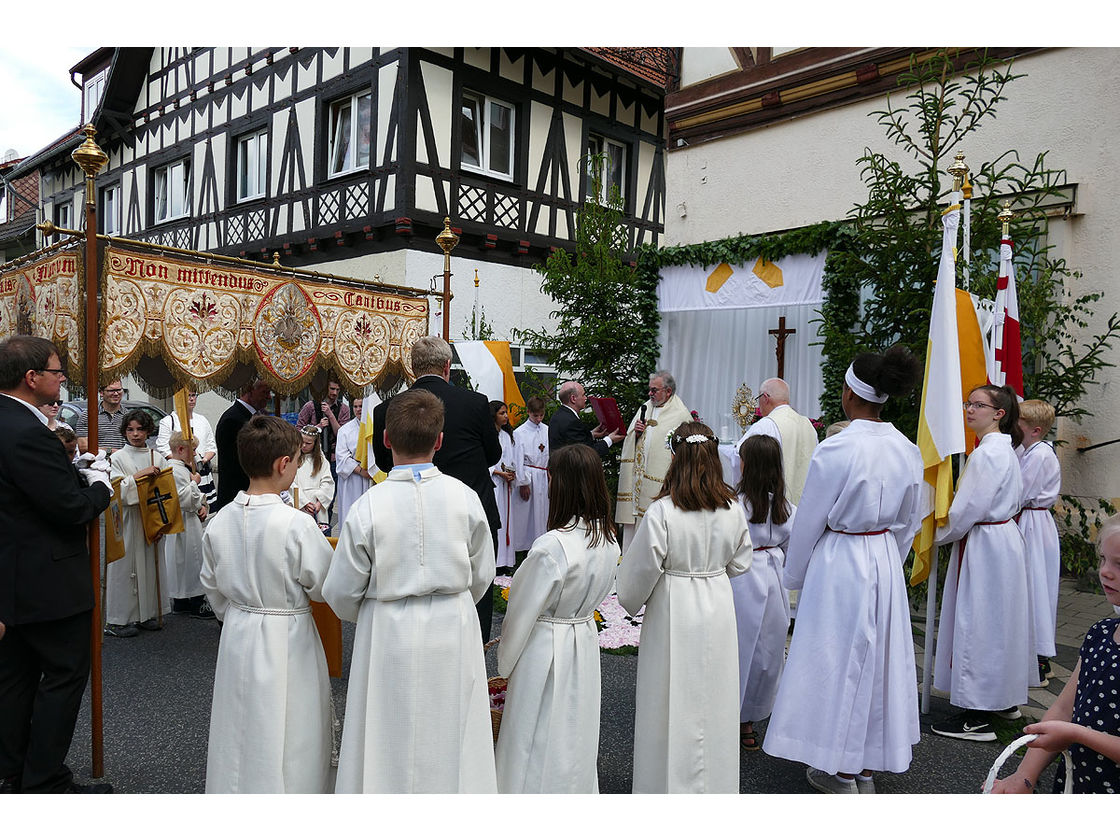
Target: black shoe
9, 784
1010, 713
1044, 669
968, 726
204, 611
182, 606
101, 787
1043, 679
123, 631
150, 624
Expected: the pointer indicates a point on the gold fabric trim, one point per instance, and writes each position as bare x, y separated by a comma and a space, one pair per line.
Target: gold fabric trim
44, 298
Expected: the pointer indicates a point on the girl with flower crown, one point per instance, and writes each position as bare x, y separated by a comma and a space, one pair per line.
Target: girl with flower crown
693, 536
847, 703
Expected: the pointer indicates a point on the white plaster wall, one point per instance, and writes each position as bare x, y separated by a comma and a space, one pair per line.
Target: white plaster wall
804, 170
703, 63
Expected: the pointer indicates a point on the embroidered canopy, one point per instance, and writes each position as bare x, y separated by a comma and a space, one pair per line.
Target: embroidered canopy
43, 297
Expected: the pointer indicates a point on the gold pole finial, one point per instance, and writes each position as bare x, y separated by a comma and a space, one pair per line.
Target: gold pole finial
447, 239
1005, 216
90, 157
958, 169
47, 228
276, 258
476, 278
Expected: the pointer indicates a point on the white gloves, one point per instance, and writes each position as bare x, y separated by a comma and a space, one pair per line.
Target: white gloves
93, 476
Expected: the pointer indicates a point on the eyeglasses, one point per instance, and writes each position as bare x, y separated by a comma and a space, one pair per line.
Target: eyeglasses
55, 371
55, 403
656, 390
967, 405
113, 391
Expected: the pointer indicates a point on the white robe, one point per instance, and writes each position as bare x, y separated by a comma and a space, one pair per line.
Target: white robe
270, 724
687, 710
985, 648
549, 739
350, 486
797, 437
314, 486
504, 491
762, 617
130, 582
412, 559
848, 699
530, 517
1042, 483
182, 553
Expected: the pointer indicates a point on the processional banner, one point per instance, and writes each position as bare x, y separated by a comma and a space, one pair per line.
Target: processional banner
788, 281
43, 298
204, 317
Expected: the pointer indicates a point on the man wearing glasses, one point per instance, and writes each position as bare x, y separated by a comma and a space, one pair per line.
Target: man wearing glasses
46, 590
645, 459
109, 418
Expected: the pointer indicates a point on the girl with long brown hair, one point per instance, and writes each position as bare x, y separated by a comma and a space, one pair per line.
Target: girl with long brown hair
313, 484
761, 602
549, 739
692, 537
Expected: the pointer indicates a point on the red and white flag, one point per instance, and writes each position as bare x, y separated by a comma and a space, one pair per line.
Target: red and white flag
1006, 342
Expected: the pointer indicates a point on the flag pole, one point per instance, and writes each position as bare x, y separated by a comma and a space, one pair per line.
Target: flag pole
959, 171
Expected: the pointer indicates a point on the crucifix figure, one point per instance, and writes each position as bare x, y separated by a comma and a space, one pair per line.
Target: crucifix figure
158, 499
781, 333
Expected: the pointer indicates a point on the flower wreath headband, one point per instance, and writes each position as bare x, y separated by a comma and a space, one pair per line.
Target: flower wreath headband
693, 439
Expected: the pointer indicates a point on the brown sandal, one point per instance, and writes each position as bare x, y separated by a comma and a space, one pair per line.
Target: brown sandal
748, 740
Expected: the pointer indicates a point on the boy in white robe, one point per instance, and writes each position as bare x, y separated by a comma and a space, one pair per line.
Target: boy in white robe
414, 555
182, 553
530, 502
263, 562
1042, 483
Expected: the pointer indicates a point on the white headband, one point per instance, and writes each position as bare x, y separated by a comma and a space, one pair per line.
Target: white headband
861, 388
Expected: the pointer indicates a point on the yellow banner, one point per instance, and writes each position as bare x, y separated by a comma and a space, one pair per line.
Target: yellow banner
43, 298
159, 505
114, 527
202, 318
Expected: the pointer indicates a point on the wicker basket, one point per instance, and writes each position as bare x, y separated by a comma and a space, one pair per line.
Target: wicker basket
493, 685
1011, 748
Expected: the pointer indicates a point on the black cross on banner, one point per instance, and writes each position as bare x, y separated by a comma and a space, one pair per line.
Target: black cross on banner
158, 499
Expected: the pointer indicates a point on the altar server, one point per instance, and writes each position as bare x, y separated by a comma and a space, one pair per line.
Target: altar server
503, 474
182, 552
413, 557
549, 738
530, 503
761, 602
847, 704
985, 637
692, 537
353, 479
263, 562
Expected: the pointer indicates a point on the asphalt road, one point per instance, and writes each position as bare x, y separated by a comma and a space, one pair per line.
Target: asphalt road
157, 695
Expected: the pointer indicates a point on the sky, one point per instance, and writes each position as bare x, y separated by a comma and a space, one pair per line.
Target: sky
37, 101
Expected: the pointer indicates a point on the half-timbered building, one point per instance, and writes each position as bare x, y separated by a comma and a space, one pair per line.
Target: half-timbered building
346, 160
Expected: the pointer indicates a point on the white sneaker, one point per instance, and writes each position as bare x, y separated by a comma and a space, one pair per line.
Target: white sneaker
828, 783
865, 784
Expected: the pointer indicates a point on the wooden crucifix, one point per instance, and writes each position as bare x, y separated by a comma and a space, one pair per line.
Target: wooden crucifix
781, 333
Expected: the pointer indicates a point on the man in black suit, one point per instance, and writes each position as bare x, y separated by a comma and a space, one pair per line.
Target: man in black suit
565, 427
231, 478
46, 589
470, 439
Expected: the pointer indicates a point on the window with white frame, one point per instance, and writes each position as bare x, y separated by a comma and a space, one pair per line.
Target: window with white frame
348, 133
3, 203
170, 190
252, 164
612, 155
487, 135
63, 215
111, 210
92, 90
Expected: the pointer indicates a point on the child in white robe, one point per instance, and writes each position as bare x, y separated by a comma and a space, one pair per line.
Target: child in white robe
131, 587
182, 553
313, 488
530, 503
985, 655
549, 738
504, 475
847, 703
353, 480
693, 536
263, 562
761, 601
1042, 482
413, 557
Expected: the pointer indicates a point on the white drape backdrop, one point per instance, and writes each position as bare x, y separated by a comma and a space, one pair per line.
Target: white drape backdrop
712, 352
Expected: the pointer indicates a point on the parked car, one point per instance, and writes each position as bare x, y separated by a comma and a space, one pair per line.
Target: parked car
70, 410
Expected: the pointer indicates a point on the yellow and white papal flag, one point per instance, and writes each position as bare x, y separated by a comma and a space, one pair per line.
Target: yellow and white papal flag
490, 367
364, 449
941, 421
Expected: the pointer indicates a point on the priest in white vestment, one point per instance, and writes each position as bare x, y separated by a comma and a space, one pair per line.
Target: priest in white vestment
413, 557
795, 433
530, 501
353, 480
263, 563
645, 459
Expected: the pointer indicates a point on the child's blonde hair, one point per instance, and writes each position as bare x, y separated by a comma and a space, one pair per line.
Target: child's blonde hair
1109, 527
1038, 413
177, 439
